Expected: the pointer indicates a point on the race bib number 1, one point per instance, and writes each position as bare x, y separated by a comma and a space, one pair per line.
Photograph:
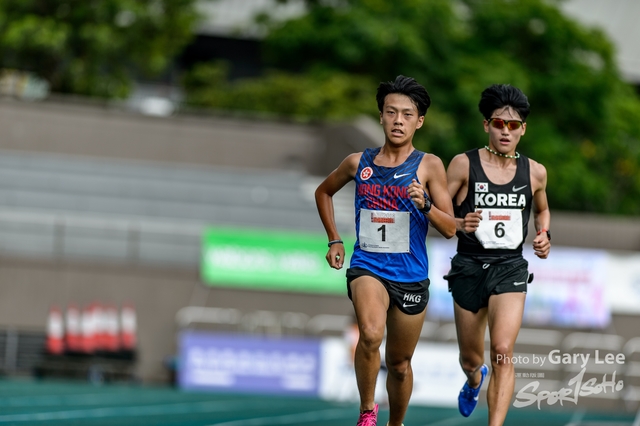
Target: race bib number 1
500, 229
384, 231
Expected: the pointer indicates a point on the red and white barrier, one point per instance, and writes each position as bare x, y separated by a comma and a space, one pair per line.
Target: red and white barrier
128, 327
55, 331
97, 329
73, 335
97, 311
110, 329
88, 330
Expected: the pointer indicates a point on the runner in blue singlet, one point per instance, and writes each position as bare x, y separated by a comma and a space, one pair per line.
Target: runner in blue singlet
399, 191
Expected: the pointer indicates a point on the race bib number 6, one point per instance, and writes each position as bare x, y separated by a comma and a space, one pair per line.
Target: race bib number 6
384, 231
500, 229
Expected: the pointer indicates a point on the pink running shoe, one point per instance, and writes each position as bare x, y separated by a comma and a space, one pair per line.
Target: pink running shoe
368, 418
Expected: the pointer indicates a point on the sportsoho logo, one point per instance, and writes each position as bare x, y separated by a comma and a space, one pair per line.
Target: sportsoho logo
576, 386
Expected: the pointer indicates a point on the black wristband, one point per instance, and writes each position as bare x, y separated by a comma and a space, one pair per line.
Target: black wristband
334, 242
427, 204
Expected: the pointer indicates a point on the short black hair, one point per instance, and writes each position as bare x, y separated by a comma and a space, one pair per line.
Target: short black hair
406, 86
503, 95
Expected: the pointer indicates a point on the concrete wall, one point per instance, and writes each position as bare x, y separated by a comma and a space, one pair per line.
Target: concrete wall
108, 131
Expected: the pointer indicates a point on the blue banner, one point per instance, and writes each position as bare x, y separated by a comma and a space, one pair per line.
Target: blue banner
230, 362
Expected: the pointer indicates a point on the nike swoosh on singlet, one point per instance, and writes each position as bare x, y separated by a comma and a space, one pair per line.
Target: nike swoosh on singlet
396, 176
514, 189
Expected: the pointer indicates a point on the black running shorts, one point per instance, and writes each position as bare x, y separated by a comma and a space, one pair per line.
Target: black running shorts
472, 280
410, 298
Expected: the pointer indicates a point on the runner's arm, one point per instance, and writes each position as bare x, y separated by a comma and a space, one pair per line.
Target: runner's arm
336, 180
541, 212
441, 213
457, 182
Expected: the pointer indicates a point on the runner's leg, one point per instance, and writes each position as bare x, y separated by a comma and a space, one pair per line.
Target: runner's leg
370, 301
470, 328
505, 319
403, 333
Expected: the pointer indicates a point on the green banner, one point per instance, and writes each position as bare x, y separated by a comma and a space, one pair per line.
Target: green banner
270, 260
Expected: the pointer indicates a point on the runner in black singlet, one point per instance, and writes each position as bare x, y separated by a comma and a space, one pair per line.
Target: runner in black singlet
494, 189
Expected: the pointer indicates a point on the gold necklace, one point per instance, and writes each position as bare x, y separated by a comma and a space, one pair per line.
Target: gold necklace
499, 154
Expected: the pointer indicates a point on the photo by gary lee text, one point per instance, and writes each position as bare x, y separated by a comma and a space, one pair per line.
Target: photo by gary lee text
556, 357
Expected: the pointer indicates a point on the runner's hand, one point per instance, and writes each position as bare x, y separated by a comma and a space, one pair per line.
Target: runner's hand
541, 245
335, 256
417, 193
470, 222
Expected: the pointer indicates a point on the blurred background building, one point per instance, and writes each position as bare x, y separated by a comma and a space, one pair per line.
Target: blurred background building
107, 202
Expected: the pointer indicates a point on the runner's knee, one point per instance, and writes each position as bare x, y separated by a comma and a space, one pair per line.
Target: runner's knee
501, 353
399, 369
470, 363
371, 337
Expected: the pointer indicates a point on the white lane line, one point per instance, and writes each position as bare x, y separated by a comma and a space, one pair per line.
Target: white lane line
298, 418
79, 399
133, 411
576, 418
449, 422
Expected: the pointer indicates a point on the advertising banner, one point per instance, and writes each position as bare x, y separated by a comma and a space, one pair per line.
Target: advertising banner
270, 260
312, 367
623, 286
570, 288
437, 376
229, 362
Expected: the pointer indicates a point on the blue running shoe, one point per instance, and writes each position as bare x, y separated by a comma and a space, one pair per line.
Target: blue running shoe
468, 397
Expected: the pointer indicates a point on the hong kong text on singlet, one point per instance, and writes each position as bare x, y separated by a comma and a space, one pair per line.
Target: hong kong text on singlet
505, 210
390, 230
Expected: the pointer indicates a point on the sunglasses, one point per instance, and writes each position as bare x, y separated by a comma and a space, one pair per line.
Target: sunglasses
499, 123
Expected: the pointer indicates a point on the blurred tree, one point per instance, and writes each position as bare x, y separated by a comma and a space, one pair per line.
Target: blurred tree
313, 96
93, 47
585, 121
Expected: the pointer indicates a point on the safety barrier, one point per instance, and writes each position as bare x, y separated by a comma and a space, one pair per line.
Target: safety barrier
97, 342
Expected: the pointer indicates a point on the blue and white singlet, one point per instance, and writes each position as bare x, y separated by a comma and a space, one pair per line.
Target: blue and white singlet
390, 230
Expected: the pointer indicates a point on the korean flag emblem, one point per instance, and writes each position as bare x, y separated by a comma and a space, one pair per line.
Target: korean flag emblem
482, 187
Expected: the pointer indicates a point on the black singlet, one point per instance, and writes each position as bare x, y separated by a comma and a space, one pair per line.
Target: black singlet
509, 198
